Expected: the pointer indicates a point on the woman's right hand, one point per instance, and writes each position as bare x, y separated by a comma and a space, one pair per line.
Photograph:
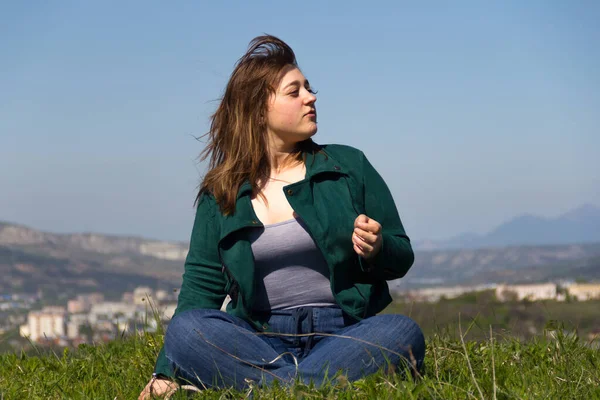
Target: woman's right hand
158, 387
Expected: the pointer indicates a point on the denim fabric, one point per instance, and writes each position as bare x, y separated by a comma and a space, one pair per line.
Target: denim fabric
210, 348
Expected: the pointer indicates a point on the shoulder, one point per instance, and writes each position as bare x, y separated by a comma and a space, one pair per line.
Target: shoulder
352, 160
206, 205
341, 152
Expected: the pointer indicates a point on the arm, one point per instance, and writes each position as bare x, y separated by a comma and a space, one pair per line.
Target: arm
203, 281
395, 257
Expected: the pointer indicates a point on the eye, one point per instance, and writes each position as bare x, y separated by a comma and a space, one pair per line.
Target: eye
311, 90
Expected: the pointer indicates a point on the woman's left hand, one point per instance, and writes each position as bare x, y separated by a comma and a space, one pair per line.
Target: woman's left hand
367, 237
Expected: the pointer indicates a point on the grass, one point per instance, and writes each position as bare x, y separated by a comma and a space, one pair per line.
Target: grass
521, 319
555, 365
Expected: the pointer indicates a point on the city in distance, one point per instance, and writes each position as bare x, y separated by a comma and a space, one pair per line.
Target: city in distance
94, 284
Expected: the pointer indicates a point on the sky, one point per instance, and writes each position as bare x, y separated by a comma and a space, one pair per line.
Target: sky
473, 112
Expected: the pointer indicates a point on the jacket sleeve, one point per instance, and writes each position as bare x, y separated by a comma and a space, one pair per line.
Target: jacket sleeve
396, 255
203, 281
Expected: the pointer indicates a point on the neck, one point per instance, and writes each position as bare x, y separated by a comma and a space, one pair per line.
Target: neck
280, 152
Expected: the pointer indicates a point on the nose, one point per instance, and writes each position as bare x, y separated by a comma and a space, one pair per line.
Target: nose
310, 98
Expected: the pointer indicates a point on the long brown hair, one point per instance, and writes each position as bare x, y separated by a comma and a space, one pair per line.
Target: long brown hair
237, 140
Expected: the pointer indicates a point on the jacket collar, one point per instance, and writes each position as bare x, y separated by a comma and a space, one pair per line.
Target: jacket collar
317, 163
244, 215
320, 162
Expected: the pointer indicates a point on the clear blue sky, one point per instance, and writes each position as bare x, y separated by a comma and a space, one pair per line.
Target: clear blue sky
473, 112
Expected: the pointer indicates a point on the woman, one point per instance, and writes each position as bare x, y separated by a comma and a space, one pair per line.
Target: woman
302, 237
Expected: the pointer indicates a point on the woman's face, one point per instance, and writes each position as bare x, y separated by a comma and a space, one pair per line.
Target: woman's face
291, 112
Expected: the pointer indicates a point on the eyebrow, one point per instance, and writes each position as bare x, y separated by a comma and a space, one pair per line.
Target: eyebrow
298, 83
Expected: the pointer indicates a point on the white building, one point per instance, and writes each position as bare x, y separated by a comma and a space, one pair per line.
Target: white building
534, 292
584, 291
73, 324
112, 311
47, 323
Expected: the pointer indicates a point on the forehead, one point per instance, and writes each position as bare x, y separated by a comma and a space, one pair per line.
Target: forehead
292, 74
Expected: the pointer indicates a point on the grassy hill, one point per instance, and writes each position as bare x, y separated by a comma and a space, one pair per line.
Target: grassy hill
522, 320
552, 366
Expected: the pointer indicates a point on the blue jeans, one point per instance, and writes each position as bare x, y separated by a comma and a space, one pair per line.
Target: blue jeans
210, 348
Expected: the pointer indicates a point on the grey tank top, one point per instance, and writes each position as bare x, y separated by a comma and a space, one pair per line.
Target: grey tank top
290, 270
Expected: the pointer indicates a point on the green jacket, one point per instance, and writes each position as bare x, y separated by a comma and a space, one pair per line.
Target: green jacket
340, 184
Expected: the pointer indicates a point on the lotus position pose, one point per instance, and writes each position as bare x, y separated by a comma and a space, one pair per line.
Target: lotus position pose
301, 236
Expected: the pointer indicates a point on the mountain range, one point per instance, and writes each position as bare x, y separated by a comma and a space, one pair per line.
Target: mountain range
581, 225
525, 249
67, 264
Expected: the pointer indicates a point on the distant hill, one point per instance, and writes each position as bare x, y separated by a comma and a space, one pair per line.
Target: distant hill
515, 264
581, 225
24, 272
59, 263
71, 263
19, 235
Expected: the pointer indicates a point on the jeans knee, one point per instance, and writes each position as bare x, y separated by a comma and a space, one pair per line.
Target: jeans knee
410, 332
185, 324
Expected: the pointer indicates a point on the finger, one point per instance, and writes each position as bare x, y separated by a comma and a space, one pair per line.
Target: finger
364, 246
357, 241
376, 227
371, 226
365, 236
358, 251
361, 219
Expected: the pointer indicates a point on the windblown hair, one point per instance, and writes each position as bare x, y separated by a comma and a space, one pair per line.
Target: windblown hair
237, 140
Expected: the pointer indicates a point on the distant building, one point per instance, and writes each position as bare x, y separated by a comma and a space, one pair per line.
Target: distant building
534, 292
112, 312
84, 302
75, 306
94, 298
437, 293
73, 324
49, 323
584, 291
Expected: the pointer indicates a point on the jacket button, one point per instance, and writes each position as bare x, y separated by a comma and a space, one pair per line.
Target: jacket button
265, 326
336, 167
255, 222
290, 192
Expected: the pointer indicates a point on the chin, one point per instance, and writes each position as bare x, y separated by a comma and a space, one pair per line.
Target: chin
310, 134
306, 133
